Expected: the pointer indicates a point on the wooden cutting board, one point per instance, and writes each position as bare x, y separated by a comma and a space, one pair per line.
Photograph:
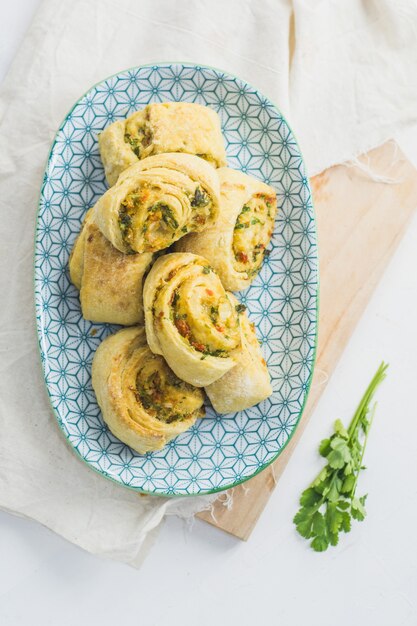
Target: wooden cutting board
360, 221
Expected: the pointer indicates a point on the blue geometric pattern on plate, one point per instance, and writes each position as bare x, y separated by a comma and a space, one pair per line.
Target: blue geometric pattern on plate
218, 452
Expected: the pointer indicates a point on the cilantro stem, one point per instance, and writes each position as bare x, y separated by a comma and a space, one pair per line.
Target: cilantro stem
363, 407
361, 413
363, 448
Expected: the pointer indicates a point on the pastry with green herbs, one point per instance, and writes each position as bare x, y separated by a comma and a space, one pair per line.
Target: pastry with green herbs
248, 383
190, 318
142, 401
159, 128
237, 242
157, 201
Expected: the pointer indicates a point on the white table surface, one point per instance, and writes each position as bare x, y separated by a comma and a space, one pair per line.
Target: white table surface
202, 576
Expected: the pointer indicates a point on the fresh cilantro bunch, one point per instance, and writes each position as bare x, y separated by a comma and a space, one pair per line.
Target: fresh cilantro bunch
330, 503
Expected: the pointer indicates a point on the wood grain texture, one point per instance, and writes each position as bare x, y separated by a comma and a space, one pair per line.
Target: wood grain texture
360, 221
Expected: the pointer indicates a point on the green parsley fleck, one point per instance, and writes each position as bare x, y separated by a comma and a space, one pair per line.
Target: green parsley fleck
200, 198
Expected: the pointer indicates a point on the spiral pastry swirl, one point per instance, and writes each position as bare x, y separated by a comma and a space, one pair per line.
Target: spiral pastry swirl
157, 201
142, 401
190, 318
248, 383
236, 244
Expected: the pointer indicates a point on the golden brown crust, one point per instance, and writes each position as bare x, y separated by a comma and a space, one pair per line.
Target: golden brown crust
246, 384
160, 128
156, 201
110, 282
128, 379
235, 244
189, 318
165, 190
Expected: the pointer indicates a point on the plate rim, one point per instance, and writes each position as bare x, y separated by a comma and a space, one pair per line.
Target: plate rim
36, 292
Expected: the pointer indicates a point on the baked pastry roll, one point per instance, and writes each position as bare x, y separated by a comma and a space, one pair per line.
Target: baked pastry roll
160, 128
235, 245
110, 282
142, 401
157, 201
248, 383
190, 318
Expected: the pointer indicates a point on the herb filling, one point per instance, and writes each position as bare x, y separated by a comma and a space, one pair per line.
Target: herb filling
252, 232
165, 396
139, 142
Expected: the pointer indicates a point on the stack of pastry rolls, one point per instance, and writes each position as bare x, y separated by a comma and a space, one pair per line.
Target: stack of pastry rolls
161, 251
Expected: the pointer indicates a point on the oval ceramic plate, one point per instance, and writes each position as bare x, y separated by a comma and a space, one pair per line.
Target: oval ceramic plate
219, 451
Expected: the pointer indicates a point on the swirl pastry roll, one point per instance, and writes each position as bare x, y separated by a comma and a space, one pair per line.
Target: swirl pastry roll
110, 282
235, 245
142, 401
248, 383
157, 201
190, 318
160, 128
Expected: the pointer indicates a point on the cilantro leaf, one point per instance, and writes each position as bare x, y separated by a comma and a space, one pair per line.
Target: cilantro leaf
334, 539
321, 479
340, 429
309, 497
333, 492
343, 505
358, 510
319, 524
334, 518
304, 522
340, 454
346, 522
320, 544
324, 447
348, 484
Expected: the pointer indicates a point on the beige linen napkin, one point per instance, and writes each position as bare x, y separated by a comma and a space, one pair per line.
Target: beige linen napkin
350, 86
